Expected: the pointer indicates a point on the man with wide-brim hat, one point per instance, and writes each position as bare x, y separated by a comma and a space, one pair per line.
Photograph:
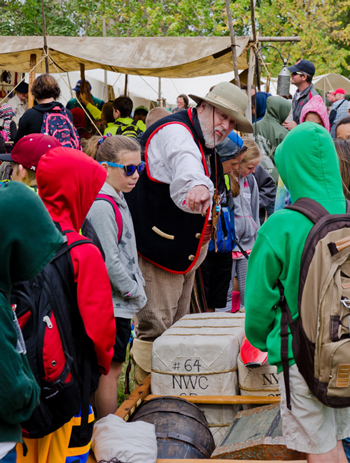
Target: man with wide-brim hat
171, 206
19, 102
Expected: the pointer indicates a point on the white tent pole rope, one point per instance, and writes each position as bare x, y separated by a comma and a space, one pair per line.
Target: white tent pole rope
82, 107
150, 86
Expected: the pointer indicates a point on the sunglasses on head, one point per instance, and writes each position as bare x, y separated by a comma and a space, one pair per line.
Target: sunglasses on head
129, 170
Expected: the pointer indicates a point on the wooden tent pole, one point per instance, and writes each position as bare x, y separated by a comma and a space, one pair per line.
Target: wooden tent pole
297, 38
250, 82
126, 85
233, 43
105, 96
44, 35
32, 64
159, 91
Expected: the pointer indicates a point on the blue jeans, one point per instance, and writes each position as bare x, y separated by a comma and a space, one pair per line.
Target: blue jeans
10, 457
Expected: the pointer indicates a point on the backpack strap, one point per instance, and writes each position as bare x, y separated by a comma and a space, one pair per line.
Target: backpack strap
310, 208
286, 319
118, 215
85, 394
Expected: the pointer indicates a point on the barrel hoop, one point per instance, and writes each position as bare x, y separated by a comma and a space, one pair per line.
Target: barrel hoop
198, 334
142, 414
209, 327
194, 374
272, 389
225, 425
214, 318
183, 438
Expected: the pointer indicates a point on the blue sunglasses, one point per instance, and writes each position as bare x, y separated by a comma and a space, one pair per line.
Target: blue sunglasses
129, 170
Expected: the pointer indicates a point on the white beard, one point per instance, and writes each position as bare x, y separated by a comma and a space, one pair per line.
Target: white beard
206, 122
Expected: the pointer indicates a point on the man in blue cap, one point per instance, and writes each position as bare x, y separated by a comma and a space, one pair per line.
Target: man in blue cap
73, 103
302, 74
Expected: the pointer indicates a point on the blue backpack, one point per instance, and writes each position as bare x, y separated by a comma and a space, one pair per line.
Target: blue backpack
225, 232
57, 124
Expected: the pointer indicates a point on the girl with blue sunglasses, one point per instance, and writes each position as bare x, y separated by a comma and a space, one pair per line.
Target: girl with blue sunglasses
111, 218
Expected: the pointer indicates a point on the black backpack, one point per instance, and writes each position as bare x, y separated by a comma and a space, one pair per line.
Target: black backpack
60, 354
128, 130
333, 113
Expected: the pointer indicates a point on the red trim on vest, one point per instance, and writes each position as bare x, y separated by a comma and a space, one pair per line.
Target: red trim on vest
189, 111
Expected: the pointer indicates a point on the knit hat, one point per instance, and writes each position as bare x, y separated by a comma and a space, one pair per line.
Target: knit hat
231, 100
78, 117
316, 105
230, 147
6, 113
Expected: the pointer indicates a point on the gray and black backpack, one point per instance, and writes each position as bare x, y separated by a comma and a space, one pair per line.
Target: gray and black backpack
321, 338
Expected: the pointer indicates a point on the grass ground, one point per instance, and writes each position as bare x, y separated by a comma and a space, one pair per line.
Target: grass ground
121, 383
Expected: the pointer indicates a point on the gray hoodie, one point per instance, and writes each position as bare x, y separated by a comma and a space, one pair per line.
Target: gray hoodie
121, 258
246, 210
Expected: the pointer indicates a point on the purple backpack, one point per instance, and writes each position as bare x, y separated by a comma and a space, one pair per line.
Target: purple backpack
57, 124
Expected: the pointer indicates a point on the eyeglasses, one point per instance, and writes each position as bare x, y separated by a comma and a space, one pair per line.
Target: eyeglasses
300, 73
129, 170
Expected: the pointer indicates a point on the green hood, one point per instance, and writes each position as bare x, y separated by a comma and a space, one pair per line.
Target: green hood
312, 171
277, 109
29, 238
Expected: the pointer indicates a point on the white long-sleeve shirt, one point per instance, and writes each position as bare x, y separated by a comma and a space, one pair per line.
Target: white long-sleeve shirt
175, 159
18, 108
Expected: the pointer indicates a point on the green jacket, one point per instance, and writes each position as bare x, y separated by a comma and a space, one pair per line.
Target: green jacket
29, 240
269, 133
309, 167
129, 129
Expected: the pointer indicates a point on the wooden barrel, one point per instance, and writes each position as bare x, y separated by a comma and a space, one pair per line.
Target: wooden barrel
181, 428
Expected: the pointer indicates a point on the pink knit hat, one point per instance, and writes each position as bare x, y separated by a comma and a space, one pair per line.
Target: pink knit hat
316, 105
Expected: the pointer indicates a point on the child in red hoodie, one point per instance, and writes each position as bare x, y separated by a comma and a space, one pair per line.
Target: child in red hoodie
68, 182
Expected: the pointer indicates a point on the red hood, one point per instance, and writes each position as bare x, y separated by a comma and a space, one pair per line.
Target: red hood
68, 182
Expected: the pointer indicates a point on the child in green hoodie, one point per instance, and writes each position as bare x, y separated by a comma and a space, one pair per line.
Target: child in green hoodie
28, 242
309, 167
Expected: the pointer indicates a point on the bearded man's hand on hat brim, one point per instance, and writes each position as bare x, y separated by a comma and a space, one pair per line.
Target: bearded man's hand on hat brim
198, 199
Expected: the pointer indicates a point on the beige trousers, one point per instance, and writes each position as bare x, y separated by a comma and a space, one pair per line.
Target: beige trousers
168, 298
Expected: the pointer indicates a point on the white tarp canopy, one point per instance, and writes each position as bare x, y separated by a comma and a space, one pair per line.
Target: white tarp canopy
328, 82
175, 57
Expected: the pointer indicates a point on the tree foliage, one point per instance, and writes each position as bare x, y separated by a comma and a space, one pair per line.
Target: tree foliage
324, 25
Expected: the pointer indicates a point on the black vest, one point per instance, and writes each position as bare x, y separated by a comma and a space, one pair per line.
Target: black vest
167, 236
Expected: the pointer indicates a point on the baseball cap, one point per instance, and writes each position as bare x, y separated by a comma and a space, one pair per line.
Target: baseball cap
303, 66
141, 107
77, 86
29, 149
339, 90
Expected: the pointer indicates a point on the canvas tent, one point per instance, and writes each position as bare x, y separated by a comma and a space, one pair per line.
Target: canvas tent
175, 57
328, 82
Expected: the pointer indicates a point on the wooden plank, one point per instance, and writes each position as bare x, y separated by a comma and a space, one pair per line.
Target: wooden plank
91, 459
32, 65
159, 460
128, 407
297, 38
224, 399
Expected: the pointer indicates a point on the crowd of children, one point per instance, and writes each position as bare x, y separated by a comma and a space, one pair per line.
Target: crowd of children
74, 192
